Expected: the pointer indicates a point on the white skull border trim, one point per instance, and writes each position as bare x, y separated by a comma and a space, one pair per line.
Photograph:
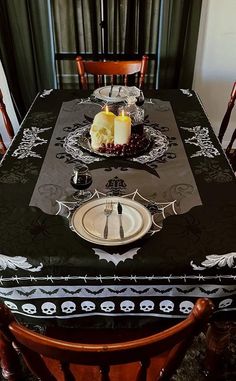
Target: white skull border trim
69, 307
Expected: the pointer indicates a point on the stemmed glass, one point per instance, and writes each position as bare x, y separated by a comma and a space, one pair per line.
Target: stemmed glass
81, 180
140, 98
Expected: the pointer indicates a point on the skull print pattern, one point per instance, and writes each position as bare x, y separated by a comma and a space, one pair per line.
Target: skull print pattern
71, 308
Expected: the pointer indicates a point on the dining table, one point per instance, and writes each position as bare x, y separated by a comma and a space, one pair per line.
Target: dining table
51, 274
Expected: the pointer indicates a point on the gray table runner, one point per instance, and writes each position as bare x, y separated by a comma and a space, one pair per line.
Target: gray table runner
171, 180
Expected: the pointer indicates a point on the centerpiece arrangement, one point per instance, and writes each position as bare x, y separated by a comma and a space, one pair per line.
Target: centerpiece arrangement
111, 134
122, 133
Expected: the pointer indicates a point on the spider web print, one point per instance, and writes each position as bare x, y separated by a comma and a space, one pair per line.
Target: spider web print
158, 210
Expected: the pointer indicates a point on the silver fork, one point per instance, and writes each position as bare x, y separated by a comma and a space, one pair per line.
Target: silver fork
107, 211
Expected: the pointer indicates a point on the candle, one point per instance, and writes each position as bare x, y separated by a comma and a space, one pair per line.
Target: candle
107, 112
122, 129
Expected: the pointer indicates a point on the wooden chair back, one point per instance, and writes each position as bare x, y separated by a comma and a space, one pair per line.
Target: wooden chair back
7, 124
229, 153
152, 357
111, 69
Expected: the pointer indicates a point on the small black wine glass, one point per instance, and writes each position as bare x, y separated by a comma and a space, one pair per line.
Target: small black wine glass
81, 180
140, 98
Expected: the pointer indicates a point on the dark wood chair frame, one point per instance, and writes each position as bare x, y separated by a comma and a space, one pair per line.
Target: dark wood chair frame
229, 153
170, 345
7, 123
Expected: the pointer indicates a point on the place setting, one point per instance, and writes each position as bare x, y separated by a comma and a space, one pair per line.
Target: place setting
116, 93
111, 221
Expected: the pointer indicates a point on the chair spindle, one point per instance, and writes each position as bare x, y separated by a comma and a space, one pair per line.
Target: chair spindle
2, 146
6, 118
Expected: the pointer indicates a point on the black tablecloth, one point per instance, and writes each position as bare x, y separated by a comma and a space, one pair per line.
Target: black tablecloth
51, 275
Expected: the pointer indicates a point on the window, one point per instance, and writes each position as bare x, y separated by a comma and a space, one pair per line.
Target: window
104, 29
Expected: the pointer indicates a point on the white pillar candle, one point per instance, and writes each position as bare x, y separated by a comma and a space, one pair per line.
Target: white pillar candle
122, 129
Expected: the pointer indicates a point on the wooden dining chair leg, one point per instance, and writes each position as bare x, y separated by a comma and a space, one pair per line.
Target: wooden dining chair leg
2, 146
67, 372
230, 152
104, 371
217, 340
227, 115
9, 360
37, 366
6, 118
143, 70
142, 374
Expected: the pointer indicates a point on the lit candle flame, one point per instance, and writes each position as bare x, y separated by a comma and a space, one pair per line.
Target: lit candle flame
122, 112
106, 109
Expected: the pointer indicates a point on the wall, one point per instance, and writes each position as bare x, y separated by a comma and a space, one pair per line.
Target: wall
215, 67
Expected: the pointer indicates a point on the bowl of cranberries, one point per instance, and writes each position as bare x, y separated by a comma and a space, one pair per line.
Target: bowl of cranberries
136, 145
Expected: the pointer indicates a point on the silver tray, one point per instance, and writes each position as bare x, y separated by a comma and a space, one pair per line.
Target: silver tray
84, 142
80, 138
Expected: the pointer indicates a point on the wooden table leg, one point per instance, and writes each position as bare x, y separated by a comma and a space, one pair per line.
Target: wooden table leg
217, 340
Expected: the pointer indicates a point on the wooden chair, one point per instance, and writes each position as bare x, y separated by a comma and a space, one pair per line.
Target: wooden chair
112, 69
3, 148
229, 153
152, 357
7, 124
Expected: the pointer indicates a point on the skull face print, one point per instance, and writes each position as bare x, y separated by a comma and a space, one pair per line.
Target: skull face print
68, 307
225, 303
10, 305
108, 306
166, 306
127, 306
147, 305
186, 307
88, 306
48, 308
29, 308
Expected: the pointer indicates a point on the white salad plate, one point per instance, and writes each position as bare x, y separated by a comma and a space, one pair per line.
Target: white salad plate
89, 220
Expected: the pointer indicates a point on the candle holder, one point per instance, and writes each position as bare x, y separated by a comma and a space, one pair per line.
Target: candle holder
140, 99
135, 112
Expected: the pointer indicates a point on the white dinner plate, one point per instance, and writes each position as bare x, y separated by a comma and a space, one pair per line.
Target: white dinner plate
89, 220
119, 93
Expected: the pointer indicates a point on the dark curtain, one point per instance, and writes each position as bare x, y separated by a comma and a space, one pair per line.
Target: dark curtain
166, 30
25, 49
178, 42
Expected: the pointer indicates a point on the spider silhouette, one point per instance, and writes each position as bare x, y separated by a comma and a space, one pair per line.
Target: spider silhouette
39, 227
186, 226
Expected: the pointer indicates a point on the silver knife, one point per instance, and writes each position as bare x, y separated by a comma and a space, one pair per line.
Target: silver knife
119, 210
118, 95
110, 92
